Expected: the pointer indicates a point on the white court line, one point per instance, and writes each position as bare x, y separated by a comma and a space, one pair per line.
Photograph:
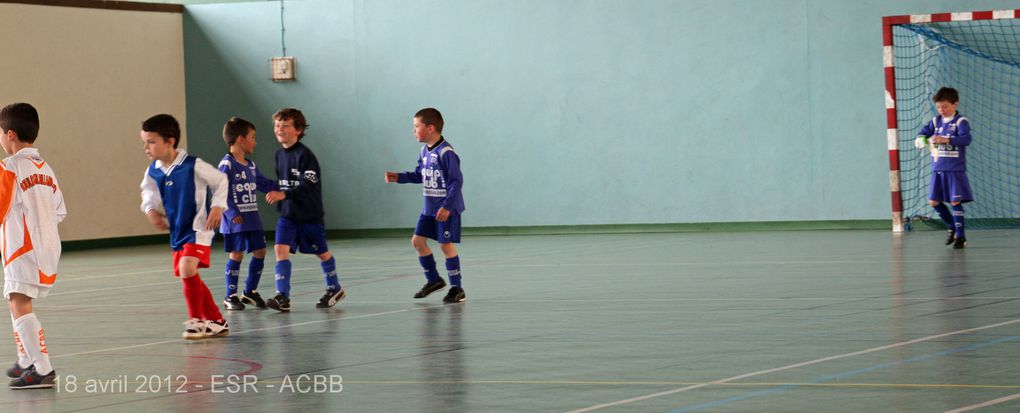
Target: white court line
103, 350
141, 285
611, 300
112, 288
71, 277
792, 366
985, 404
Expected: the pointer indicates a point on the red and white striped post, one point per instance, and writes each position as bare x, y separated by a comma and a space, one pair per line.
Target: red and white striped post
889, 64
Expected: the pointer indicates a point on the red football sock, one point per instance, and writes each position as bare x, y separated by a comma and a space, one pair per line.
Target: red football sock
210, 310
193, 296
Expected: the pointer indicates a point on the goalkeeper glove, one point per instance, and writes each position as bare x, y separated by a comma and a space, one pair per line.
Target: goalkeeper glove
921, 142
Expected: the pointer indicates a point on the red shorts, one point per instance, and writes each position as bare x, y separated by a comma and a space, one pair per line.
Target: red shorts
192, 250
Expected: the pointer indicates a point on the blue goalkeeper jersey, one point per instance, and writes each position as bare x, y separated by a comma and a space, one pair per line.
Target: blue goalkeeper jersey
438, 172
246, 181
952, 156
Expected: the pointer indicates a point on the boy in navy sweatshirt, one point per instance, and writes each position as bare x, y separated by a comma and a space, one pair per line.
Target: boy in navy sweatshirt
301, 226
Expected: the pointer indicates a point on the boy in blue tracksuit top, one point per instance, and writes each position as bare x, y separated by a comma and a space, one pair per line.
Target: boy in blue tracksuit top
438, 172
947, 136
241, 226
301, 226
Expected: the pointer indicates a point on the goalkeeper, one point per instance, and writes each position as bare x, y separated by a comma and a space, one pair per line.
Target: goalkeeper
947, 137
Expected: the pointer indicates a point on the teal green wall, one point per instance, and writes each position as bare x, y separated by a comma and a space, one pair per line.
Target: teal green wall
569, 112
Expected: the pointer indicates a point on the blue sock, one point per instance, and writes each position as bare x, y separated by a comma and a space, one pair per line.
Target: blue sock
283, 277
232, 273
453, 268
958, 220
329, 271
429, 265
254, 274
944, 214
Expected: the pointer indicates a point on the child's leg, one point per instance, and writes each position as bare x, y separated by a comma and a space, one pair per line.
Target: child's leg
200, 302
425, 258
943, 212
958, 220
282, 269
329, 271
33, 339
233, 272
452, 263
23, 360
258, 262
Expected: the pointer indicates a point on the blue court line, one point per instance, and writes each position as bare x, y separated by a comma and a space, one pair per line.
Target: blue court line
845, 374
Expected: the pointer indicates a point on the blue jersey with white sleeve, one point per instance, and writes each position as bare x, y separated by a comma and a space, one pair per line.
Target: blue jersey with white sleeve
952, 156
181, 188
438, 172
245, 182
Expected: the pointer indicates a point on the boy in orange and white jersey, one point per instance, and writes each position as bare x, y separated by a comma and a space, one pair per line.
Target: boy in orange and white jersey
31, 205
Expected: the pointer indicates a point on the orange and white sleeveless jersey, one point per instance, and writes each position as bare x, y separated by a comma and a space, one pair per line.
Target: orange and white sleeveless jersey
31, 205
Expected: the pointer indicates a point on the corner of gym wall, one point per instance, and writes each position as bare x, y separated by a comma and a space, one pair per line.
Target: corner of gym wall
94, 75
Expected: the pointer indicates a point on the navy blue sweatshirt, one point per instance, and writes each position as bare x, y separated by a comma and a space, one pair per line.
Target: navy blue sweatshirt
298, 173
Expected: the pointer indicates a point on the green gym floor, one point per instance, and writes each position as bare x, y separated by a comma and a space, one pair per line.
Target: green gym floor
798, 321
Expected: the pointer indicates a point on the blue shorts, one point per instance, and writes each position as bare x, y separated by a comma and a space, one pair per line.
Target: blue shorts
950, 187
444, 232
307, 238
247, 241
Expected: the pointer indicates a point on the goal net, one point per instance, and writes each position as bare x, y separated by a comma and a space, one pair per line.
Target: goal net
977, 53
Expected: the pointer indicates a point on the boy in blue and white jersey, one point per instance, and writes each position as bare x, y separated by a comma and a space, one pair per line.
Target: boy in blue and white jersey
302, 225
241, 226
177, 183
438, 172
947, 137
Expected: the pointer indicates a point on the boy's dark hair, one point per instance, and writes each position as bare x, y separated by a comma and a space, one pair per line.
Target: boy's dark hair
23, 119
236, 127
295, 115
431, 116
946, 94
165, 126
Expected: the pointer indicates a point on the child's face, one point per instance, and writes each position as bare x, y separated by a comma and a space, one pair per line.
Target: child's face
286, 133
421, 130
945, 108
156, 148
247, 142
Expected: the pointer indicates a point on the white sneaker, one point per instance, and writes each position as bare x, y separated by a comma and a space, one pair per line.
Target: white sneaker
194, 329
216, 329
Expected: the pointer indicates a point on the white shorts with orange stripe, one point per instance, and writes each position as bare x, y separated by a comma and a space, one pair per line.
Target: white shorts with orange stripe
33, 291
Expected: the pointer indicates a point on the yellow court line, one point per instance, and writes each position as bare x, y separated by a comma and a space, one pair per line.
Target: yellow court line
222, 381
681, 383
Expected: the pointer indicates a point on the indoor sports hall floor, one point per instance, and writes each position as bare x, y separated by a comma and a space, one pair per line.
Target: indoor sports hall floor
811, 321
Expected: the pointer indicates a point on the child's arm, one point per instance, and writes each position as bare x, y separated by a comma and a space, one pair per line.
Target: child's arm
962, 137
61, 208
450, 163
217, 181
263, 184
151, 201
310, 175
406, 177
922, 137
231, 214
7, 185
